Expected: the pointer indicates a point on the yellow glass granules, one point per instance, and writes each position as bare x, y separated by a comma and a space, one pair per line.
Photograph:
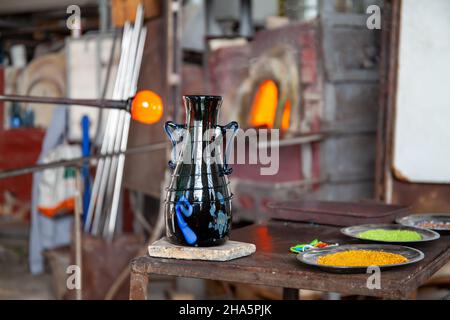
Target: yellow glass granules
360, 258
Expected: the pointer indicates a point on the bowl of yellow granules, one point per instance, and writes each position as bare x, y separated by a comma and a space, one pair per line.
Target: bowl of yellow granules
391, 233
357, 258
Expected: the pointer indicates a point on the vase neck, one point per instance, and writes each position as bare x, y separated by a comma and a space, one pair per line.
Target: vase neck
202, 110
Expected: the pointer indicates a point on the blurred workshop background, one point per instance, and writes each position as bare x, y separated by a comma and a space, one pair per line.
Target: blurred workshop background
320, 71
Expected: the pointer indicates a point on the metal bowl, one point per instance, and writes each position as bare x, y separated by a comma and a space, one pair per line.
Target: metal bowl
354, 231
310, 257
415, 220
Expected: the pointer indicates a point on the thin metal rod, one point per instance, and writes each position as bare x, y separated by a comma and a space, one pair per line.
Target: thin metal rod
98, 132
246, 26
209, 16
111, 128
119, 134
91, 160
77, 225
124, 141
114, 131
103, 150
303, 139
97, 103
106, 82
115, 182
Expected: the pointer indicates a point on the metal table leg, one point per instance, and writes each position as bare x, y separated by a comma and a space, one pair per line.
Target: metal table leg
138, 286
291, 294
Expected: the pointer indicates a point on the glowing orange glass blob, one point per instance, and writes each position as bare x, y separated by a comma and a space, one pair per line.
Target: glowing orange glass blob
264, 107
147, 107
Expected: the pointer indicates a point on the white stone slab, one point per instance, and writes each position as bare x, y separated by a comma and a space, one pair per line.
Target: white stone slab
228, 251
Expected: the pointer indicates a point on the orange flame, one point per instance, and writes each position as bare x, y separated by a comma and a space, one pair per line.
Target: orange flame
264, 107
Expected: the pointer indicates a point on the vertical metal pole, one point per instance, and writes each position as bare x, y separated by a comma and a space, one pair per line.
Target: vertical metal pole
104, 13
178, 56
246, 25
173, 38
209, 18
291, 294
77, 226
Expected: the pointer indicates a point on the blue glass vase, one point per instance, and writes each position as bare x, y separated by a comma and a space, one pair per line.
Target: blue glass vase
198, 199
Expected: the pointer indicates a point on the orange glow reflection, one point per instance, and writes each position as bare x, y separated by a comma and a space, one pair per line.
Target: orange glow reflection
286, 119
264, 240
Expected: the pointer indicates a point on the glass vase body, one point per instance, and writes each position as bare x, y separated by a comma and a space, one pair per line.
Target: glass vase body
198, 199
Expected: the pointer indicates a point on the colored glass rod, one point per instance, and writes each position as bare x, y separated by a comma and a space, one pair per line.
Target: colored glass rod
145, 107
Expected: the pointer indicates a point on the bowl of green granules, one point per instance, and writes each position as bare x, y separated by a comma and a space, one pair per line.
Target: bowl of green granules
392, 233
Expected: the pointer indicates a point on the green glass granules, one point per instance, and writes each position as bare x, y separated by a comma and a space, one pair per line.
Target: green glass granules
390, 235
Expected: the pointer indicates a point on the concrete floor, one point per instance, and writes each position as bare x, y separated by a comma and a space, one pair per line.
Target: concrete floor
16, 282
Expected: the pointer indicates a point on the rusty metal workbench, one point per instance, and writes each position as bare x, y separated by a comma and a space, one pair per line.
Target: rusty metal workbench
274, 265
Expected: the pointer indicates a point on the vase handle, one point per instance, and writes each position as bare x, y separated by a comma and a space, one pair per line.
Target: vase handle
170, 128
223, 129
